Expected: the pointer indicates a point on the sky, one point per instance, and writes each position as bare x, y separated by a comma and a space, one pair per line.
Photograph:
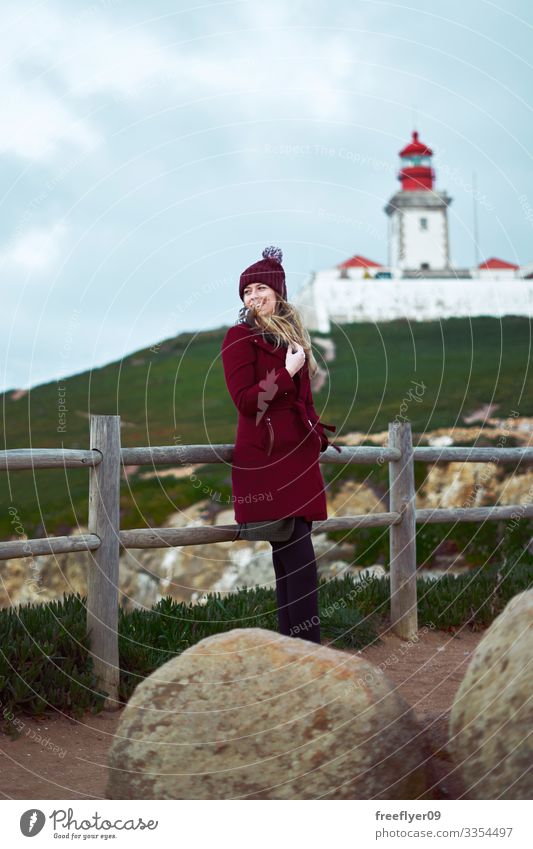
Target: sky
150, 151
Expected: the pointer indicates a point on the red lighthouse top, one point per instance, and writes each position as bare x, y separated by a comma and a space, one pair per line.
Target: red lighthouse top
416, 174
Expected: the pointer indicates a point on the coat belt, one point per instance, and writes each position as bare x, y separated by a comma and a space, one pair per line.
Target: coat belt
301, 408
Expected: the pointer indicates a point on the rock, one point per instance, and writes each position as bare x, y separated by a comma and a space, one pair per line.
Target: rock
515, 489
250, 713
377, 571
188, 517
328, 346
492, 713
435, 574
438, 441
338, 569
453, 484
354, 498
225, 517
249, 565
43, 578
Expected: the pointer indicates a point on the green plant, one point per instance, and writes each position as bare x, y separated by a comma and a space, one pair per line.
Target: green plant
476, 598
44, 661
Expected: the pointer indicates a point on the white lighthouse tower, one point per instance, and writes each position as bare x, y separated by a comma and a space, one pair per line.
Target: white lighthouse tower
419, 282
418, 222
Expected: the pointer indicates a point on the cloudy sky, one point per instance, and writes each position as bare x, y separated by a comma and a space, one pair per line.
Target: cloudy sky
149, 151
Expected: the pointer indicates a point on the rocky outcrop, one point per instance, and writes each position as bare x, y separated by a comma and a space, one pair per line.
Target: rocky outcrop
353, 498
186, 574
253, 714
492, 714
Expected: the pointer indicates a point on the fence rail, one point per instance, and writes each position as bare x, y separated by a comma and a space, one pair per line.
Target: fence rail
105, 457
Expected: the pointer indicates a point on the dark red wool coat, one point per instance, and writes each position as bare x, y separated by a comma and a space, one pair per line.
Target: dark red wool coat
275, 469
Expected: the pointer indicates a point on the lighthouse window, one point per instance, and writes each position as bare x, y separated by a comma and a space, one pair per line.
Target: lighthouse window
415, 161
423, 223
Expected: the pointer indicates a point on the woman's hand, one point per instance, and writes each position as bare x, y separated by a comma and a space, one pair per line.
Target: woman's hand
294, 360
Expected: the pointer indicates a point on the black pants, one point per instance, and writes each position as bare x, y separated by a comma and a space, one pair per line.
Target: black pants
297, 583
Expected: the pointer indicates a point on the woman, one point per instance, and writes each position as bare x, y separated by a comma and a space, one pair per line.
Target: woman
268, 362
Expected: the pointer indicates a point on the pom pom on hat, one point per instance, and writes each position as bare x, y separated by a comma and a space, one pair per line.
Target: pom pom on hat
273, 253
268, 270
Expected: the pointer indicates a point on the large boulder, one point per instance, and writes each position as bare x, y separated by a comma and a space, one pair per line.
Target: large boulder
254, 714
492, 713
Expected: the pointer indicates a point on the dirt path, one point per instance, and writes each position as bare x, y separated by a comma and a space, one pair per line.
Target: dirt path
62, 758
427, 674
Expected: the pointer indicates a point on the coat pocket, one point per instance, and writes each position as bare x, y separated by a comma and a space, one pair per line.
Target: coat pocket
270, 429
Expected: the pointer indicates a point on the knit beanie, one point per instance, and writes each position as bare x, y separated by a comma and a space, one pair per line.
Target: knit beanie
268, 270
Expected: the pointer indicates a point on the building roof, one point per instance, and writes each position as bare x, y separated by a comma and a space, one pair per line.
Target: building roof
494, 262
416, 147
358, 261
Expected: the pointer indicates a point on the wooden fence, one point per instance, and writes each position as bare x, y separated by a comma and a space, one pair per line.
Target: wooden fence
105, 458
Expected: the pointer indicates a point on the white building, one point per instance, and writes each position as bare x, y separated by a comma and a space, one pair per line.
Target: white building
419, 283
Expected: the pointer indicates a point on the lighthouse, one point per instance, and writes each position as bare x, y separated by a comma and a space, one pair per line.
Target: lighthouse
419, 282
418, 222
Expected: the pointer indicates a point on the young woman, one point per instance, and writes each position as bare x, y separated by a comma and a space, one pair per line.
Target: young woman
268, 363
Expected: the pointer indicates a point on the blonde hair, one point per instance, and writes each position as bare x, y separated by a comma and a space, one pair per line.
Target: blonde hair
287, 327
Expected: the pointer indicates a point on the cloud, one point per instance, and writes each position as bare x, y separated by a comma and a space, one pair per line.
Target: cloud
55, 60
34, 122
35, 118
246, 75
35, 249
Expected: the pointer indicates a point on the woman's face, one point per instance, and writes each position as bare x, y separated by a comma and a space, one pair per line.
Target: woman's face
262, 296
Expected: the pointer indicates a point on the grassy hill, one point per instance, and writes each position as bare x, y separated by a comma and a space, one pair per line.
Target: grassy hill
175, 394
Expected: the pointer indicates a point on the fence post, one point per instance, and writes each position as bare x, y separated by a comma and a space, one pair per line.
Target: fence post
103, 573
404, 618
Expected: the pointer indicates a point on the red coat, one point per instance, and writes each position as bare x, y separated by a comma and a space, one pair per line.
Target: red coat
275, 469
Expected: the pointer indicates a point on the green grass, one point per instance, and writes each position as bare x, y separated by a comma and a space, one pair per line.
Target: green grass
472, 543
177, 396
